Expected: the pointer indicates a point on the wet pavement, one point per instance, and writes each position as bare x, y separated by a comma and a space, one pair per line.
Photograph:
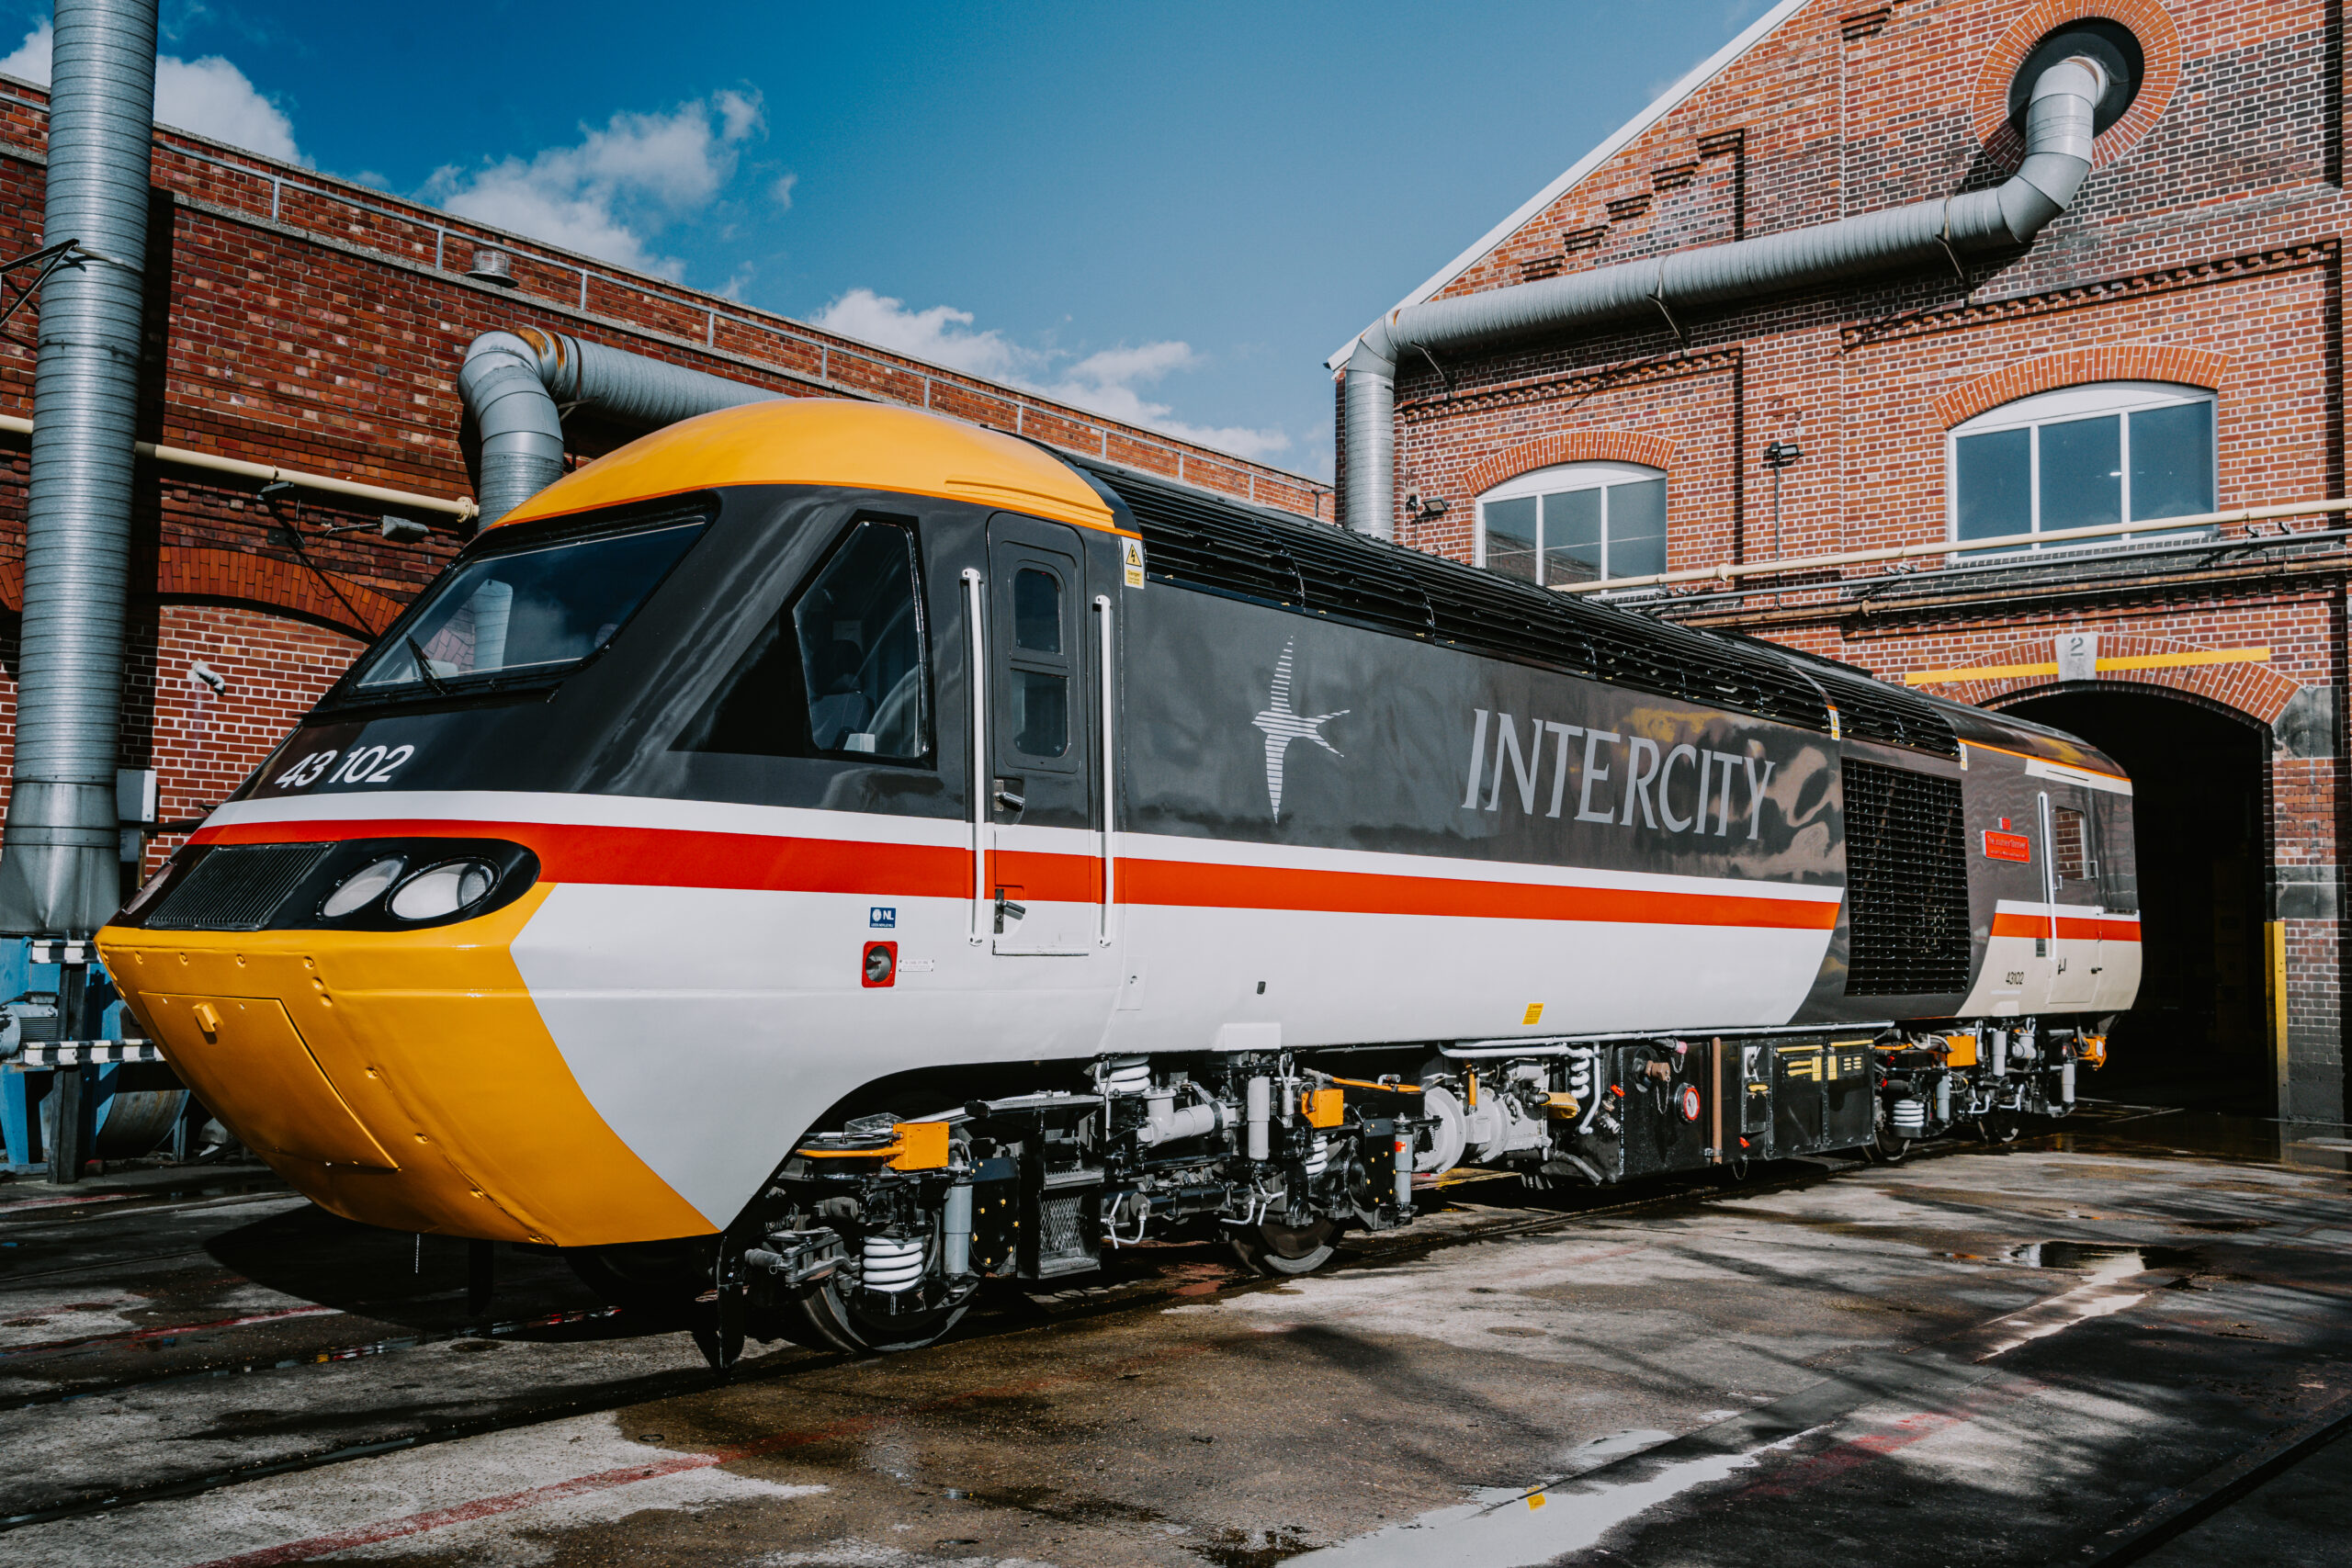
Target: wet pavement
2130, 1340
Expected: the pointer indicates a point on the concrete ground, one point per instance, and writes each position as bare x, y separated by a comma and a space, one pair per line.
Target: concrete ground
2053, 1350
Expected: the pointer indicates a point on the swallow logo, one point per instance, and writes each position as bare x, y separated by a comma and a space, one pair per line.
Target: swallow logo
1283, 726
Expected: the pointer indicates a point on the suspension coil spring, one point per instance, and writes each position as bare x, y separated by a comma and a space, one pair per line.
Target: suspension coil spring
1124, 1075
1909, 1117
1318, 1157
892, 1265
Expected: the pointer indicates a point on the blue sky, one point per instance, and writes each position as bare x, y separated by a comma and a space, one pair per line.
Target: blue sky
1170, 213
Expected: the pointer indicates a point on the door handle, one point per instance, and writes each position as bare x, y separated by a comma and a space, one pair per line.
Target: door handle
1008, 795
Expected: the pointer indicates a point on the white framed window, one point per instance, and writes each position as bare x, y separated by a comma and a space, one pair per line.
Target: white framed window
1575, 523
2107, 452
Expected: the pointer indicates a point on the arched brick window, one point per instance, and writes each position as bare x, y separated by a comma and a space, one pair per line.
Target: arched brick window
2100, 453
1575, 523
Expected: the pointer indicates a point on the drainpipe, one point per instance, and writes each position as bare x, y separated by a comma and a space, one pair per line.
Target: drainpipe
60, 873
513, 383
2058, 155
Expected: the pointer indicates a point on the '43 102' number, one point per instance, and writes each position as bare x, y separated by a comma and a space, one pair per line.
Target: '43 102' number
366, 764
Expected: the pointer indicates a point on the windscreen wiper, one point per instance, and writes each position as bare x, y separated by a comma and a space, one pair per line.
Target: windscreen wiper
423, 666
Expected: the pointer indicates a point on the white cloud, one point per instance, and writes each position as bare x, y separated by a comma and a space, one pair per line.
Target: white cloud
781, 192
210, 96
607, 195
940, 335
1104, 382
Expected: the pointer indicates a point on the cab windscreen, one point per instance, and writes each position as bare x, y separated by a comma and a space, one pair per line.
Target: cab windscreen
526, 613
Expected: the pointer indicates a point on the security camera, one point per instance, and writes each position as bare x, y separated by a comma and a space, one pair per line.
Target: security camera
210, 676
403, 530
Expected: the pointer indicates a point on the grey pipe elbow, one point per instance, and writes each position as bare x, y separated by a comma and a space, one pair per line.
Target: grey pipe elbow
522, 436
2060, 129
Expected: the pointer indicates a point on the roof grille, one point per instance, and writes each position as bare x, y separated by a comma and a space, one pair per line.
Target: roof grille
1191, 540
1870, 709
235, 888
1198, 541
1370, 587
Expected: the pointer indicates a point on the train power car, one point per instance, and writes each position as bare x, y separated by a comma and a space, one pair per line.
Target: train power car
831, 855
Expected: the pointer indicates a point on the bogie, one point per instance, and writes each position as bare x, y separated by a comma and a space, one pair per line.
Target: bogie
877, 1235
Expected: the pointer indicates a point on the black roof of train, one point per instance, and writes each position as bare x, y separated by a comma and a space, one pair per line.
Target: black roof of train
1196, 539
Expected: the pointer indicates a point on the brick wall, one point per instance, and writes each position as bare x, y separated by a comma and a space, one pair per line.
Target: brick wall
296, 321
2205, 248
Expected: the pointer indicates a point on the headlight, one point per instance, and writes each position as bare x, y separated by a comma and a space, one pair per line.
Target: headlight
444, 890
362, 887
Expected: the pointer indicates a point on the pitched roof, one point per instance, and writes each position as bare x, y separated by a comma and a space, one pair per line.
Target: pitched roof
1700, 75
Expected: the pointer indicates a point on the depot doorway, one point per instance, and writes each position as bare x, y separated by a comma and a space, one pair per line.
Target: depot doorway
2198, 1033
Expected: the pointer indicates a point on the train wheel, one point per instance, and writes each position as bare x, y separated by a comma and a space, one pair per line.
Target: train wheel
1287, 1250
1887, 1147
1999, 1127
826, 1317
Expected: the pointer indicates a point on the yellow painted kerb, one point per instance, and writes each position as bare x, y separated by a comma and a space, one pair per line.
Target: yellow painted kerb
829, 441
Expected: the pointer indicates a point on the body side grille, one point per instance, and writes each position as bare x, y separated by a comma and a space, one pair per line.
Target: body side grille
1906, 883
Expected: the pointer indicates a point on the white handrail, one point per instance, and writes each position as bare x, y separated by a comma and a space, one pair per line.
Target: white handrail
972, 608
2050, 872
1109, 774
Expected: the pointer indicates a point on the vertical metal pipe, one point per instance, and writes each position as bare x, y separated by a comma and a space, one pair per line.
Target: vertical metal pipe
59, 867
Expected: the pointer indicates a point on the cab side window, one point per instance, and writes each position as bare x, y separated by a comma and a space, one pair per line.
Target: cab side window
1040, 665
841, 672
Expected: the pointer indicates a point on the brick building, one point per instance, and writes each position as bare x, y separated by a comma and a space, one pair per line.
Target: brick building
2171, 345
296, 323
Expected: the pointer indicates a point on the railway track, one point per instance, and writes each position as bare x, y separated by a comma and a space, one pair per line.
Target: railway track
1181, 1276
1128, 1295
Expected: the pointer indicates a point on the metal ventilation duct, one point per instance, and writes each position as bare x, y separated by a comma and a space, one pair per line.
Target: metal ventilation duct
512, 383
60, 873
2058, 154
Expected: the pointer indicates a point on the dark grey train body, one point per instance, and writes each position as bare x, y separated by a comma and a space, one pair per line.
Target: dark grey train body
1205, 868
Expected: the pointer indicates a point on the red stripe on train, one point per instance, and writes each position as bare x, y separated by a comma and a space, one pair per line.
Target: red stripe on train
665, 857
1360, 893
671, 857
2010, 923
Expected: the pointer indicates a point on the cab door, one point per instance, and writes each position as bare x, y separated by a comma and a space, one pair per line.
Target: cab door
1045, 891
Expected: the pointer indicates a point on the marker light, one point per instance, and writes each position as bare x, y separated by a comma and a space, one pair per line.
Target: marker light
444, 890
362, 887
